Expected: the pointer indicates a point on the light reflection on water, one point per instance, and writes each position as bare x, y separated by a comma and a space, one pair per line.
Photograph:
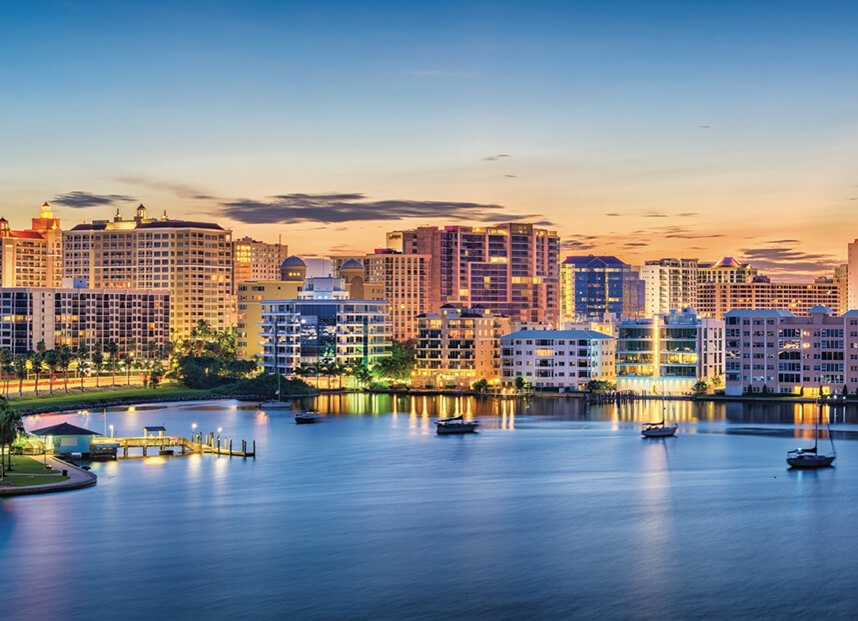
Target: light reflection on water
554, 510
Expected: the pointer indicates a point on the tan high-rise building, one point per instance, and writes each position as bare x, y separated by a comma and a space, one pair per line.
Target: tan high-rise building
715, 300
670, 284
32, 258
727, 269
251, 295
256, 260
192, 260
511, 269
404, 281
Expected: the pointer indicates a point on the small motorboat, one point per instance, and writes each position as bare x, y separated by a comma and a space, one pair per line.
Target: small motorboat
165, 452
658, 430
457, 424
275, 404
306, 418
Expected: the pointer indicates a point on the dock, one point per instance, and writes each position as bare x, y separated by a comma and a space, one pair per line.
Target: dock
208, 443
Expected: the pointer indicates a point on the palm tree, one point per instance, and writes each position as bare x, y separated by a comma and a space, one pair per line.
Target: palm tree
11, 427
52, 361
36, 360
81, 355
19, 364
97, 360
6, 367
128, 361
65, 356
112, 350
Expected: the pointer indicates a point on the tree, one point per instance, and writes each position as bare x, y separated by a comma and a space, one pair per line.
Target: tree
6, 367
65, 357
97, 360
361, 373
112, 350
700, 388
36, 359
398, 365
155, 374
81, 356
481, 385
52, 361
11, 426
519, 382
128, 363
19, 363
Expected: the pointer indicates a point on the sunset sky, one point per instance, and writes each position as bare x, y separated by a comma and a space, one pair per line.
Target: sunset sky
638, 129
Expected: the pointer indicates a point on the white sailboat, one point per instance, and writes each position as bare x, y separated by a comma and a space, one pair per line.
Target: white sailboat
659, 429
811, 458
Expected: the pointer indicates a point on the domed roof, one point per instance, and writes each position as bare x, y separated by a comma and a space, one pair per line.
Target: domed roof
352, 264
293, 261
728, 262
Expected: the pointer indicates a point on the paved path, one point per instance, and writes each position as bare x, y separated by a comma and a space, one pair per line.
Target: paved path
78, 478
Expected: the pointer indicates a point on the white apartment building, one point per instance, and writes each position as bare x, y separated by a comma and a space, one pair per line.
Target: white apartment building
669, 353
671, 284
557, 359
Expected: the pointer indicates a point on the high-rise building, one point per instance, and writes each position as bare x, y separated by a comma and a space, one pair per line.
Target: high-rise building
841, 279
510, 269
192, 260
251, 295
778, 351
134, 319
404, 281
727, 269
256, 260
716, 299
592, 287
557, 359
458, 346
852, 275
32, 258
668, 353
671, 284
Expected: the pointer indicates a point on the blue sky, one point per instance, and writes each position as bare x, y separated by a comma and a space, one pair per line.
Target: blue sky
739, 115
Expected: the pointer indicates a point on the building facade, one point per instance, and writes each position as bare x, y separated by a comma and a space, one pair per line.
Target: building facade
256, 260
669, 353
557, 359
404, 282
511, 269
304, 332
727, 269
717, 299
458, 346
671, 284
32, 258
251, 295
592, 287
191, 260
778, 351
131, 318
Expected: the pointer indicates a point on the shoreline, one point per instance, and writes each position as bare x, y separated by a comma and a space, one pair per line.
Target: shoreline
78, 479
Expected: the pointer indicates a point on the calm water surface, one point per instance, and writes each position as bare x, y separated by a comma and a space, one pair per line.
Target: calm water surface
552, 511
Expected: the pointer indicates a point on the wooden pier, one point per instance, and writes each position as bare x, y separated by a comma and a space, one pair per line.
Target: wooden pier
208, 443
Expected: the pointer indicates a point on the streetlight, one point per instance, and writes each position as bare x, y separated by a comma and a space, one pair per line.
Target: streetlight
193, 431
111, 431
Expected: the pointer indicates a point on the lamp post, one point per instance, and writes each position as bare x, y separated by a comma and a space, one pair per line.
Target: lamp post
193, 431
111, 431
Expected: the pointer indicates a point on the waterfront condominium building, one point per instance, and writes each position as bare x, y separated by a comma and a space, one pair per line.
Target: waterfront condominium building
32, 258
668, 353
132, 318
458, 346
593, 287
404, 282
310, 331
727, 269
511, 269
716, 299
256, 260
557, 359
192, 260
671, 284
778, 351
251, 295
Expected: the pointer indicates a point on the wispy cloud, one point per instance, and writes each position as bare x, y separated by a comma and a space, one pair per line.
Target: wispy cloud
350, 207
494, 158
79, 199
179, 189
788, 260
577, 243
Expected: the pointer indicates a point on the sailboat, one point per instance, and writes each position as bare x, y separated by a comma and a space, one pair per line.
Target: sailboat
811, 458
659, 429
276, 404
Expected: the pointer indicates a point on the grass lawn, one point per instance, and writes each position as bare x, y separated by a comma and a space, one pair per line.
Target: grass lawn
22, 464
94, 397
23, 480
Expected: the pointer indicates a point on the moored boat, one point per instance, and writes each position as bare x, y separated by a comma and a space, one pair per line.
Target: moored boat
305, 418
811, 458
455, 425
275, 404
659, 430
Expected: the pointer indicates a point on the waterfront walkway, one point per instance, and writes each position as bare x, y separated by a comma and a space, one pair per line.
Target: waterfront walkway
77, 478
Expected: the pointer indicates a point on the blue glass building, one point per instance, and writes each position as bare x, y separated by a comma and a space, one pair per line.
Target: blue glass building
592, 286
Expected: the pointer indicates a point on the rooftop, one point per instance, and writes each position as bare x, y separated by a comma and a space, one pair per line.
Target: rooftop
64, 429
557, 334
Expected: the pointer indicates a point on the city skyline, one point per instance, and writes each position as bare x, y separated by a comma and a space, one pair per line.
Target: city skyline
678, 132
